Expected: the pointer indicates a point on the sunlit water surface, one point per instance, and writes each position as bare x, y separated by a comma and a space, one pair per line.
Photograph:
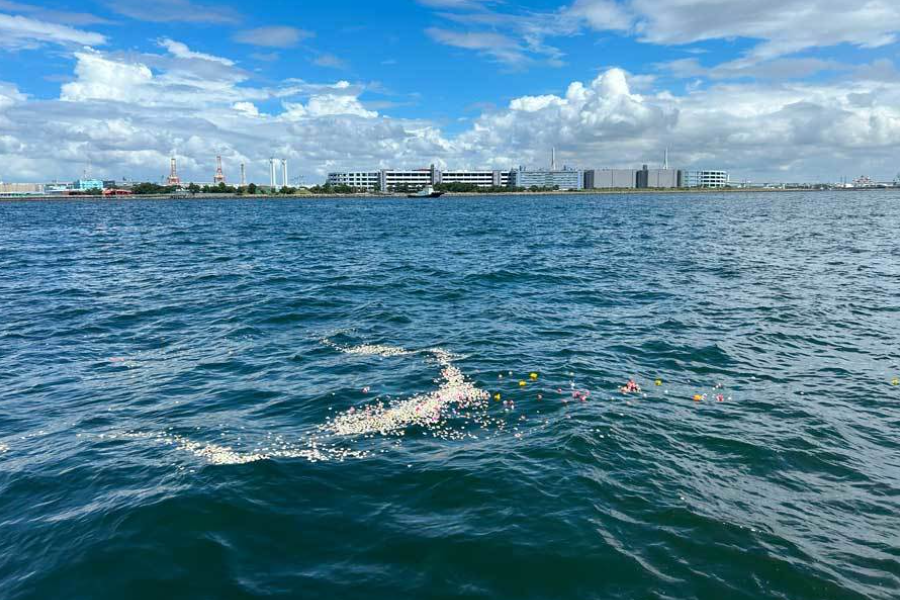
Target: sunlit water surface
335, 399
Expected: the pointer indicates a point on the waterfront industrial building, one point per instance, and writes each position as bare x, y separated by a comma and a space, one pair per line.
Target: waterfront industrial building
479, 178
8, 190
393, 180
705, 179
566, 179
78, 187
389, 180
598, 179
658, 179
646, 178
84, 185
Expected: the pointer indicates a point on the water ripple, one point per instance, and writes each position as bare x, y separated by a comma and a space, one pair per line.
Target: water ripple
391, 399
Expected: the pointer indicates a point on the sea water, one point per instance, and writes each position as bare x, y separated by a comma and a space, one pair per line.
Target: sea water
392, 398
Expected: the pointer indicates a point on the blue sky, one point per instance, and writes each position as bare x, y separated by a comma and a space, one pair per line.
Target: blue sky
790, 90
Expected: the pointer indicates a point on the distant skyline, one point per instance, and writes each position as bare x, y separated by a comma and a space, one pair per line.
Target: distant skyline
787, 90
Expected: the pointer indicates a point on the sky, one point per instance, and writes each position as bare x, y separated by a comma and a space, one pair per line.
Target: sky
771, 90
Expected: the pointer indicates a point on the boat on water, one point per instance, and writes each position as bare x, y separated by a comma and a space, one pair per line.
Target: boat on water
426, 192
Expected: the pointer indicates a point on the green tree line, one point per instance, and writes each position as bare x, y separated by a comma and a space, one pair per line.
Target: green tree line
146, 188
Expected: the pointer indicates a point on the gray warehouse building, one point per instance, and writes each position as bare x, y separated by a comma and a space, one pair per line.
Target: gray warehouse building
600, 179
659, 178
610, 178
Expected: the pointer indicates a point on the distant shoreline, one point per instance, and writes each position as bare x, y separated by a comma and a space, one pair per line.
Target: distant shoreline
597, 192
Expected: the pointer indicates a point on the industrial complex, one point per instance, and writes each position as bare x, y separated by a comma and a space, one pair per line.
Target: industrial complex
390, 180
565, 178
91, 186
410, 180
394, 179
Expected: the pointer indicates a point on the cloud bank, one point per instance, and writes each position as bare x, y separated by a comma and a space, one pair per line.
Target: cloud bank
124, 114
125, 111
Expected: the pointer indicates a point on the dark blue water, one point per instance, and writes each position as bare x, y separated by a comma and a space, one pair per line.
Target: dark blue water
295, 399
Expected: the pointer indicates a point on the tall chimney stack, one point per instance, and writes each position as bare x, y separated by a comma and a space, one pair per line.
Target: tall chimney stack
173, 173
219, 177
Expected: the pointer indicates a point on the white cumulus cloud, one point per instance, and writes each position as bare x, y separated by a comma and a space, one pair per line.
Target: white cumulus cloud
247, 108
784, 26
18, 32
100, 78
124, 112
182, 51
777, 28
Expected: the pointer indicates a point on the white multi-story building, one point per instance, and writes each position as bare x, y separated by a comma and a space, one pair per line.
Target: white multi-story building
479, 178
567, 179
21, 189
406, 180
705, 179
364, 180
415, 179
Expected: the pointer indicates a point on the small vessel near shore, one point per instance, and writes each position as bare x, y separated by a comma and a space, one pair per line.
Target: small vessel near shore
426, 192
